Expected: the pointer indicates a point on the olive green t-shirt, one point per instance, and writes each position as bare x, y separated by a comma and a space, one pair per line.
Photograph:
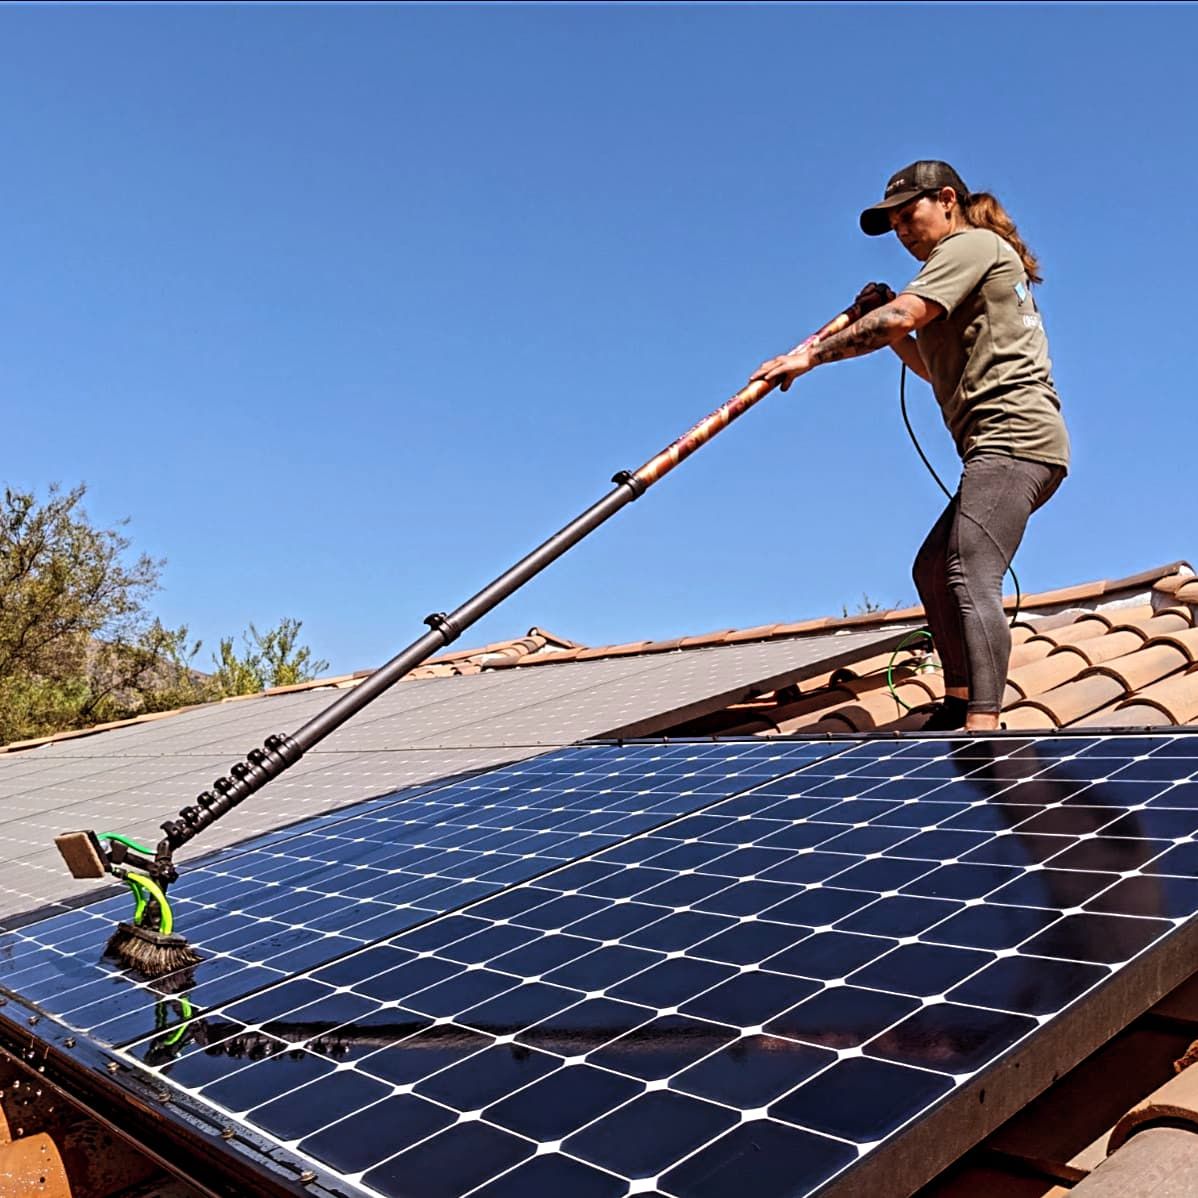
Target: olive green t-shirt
988, 356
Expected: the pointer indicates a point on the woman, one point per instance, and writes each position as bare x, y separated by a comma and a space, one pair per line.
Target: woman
980, 342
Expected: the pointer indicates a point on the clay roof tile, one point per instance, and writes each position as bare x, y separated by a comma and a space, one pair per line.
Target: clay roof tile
1186, 640
1175, 696
1172, 583
902, 614
804, 714
1124, 715
1081, 697
1061, 619
831, 723
805, 626
1144, 666
1106, 648
708, 638
760, 633
1033, 650
1171, 619
633, 647
1022, 716
1086, 628
1160, 1161
1059, 667
1175, 1102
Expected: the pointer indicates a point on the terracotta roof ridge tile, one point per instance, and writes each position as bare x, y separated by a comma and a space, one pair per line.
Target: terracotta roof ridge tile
36, 742
760, 632
553, 638
533, 641
903, 614
336, 681
1039, 625
1172, 582
708, 638
603, 651
1035, 625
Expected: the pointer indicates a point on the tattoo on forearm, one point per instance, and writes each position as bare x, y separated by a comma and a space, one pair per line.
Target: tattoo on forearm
875, 329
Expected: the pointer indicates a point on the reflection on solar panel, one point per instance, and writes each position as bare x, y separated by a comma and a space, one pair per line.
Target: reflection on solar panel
767, 993
294, 899
131, 777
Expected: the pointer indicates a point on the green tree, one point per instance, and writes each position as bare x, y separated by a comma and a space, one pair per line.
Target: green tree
271, 658
156, 672
78, 642
866, 607
64, 586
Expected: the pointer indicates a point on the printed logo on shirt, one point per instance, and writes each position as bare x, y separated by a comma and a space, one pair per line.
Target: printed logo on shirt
1022, 292
1033, 321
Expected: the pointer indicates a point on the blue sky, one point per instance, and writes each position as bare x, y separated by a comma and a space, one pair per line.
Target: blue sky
348, 307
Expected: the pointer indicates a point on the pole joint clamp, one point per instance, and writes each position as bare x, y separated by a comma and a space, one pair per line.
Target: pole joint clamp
440, 622
630, 480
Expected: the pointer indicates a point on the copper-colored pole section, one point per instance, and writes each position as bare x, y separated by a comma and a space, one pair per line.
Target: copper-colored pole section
698, 436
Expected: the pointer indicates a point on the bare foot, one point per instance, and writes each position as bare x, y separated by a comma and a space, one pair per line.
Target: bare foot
981, 721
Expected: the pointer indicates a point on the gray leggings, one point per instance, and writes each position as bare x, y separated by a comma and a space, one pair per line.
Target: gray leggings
959, 569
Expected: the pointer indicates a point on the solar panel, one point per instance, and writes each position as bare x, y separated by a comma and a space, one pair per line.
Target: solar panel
292, 900
777, 992
425, 729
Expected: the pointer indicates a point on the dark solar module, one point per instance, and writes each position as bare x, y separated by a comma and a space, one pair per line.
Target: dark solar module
751, 997
291, 902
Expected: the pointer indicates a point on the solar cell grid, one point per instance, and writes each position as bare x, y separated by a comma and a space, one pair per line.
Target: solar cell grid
722, 1011
762, 995
296, 899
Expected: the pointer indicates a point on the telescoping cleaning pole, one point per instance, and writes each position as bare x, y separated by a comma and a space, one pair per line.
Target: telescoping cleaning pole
89, 855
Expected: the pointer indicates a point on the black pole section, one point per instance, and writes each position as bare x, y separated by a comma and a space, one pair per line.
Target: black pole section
278, 752
88, 858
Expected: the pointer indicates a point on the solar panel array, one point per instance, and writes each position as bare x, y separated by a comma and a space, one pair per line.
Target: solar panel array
131, 778
296, 898
776, 980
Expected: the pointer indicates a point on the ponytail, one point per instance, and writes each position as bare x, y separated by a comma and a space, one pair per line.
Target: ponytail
982, 211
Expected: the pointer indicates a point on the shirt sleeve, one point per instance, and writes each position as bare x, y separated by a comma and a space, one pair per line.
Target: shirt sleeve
953, 269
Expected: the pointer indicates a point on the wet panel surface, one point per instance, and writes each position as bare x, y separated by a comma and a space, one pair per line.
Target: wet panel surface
741, 998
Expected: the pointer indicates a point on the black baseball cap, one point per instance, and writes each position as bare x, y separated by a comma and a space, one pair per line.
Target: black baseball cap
905, 185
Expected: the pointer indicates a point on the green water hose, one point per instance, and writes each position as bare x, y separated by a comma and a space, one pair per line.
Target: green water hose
188, 1013
139, 900
919, 632
143, 888
166, 918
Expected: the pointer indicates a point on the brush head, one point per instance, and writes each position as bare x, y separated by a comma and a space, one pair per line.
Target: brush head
150, 953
